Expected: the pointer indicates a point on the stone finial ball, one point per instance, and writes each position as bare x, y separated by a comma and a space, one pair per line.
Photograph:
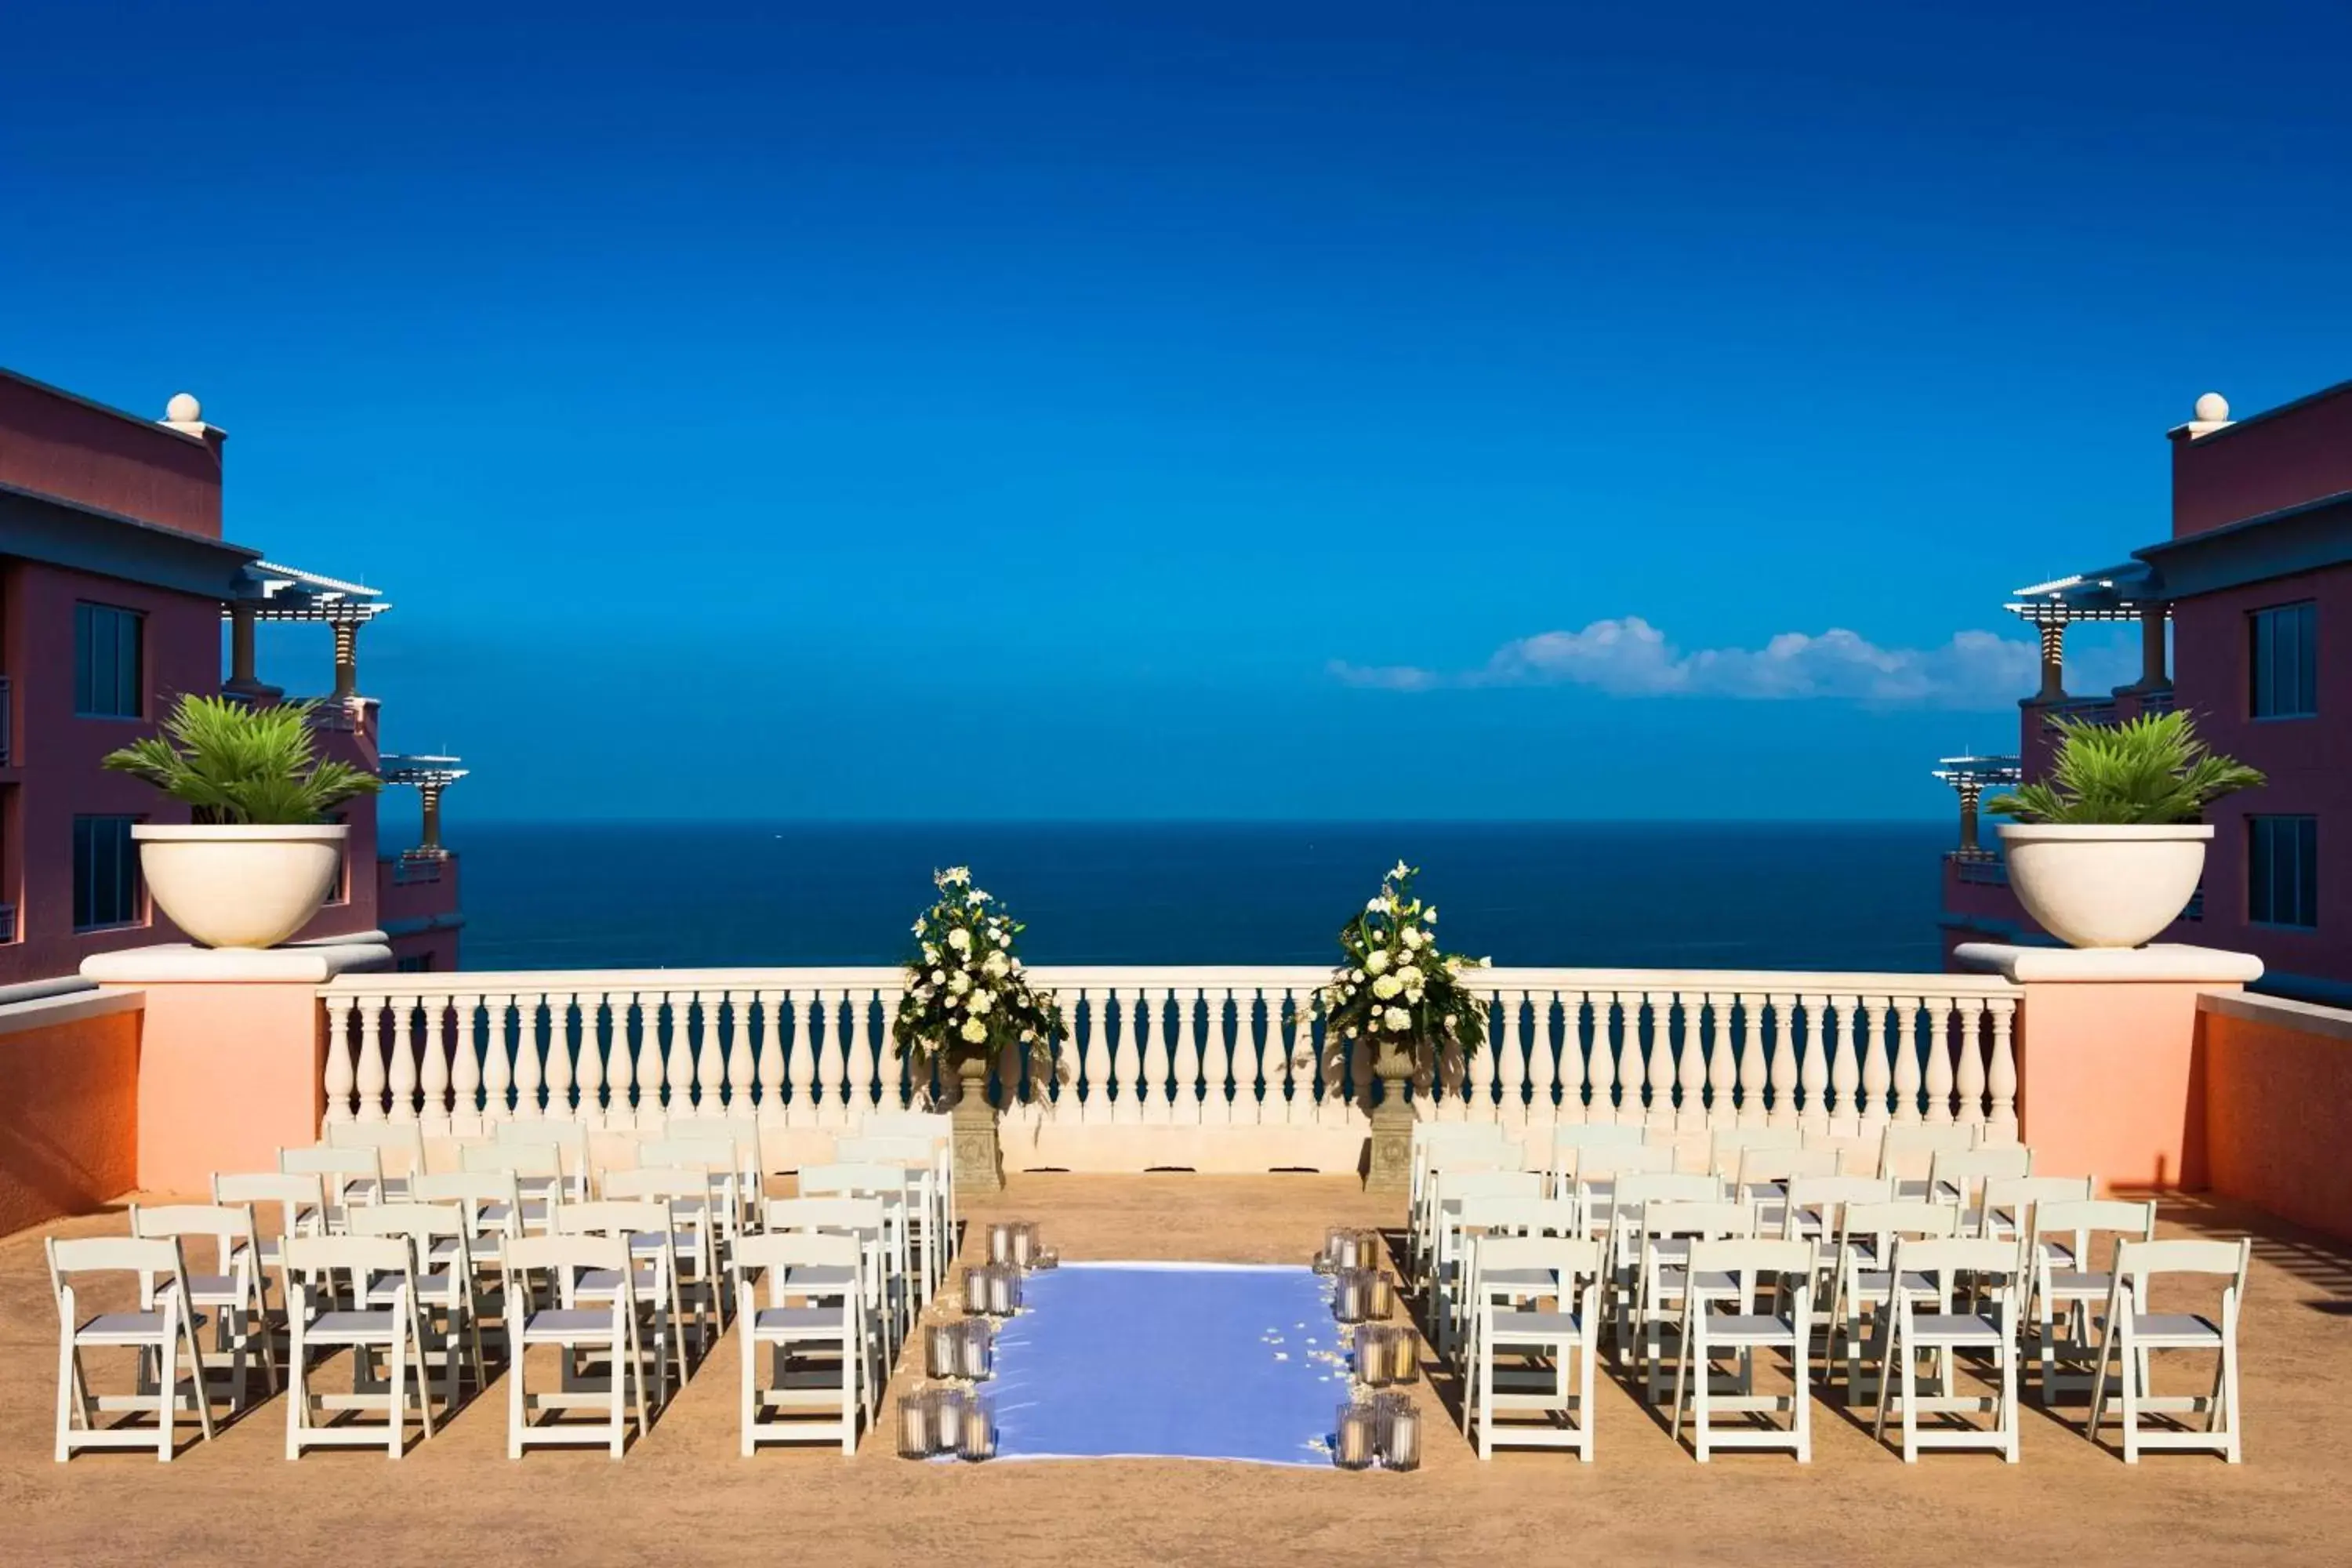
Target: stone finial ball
2213, 408
183, 409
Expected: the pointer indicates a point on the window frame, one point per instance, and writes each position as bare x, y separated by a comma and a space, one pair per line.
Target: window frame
125, 624
2263, 627
2263, 851
86, 877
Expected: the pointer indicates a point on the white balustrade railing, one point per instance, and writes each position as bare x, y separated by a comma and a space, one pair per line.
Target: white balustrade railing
1193, 1049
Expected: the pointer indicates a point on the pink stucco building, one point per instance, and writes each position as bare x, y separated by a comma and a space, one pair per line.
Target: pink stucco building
2255, 586
115, 582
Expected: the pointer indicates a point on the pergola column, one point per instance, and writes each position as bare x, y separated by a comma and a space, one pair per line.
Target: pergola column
241, 676
2053, 662
1970, 790
2153, 676
347, 660
431, 793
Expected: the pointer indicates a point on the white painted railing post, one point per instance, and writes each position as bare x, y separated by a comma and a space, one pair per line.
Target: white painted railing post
1869, 1015
769, 1068
371, 1060
464, 1063
1184, 1060
404, 1059
431, 1011
1967, 1016
342, 1071
2001, 1122
1823, 1067
1718, 1075
1936, 1035
561, 1064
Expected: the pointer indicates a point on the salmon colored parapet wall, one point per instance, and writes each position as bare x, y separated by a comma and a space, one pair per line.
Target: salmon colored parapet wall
2278, 1107
68, 1106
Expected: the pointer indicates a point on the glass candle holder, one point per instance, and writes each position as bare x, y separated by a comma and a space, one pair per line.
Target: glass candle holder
1344, 1250
1000, 1242
1356, 1443
976, 1349
1400, 1437
1372, 1356
1047, 1257
914, 1426
1368, 1249
943, 1350
1404, 1355
1024, 1245
948, 1412
1348, 1296
1380, 1295
977, 1441
975, 1289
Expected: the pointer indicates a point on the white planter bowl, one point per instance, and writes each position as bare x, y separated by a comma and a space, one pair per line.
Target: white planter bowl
2104, 887
238, 886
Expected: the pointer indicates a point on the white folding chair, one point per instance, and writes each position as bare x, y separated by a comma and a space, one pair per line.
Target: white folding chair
1622, 1239
399, 1147
317, 1321
898, 1192
2134, 1334
569, 1142
864, 1220
2067, 1288
236, 1294
161, 1327
814, 1301
1726, 1273
695, 1247
717, 1160
743, 1132
1907, 1151
1863, 1297
349, 1175
1557, 1378
938, 1126
1933, 1326
647, 1228
493, 1207
1448, 1189
1728, 1143
1455, 1313
573, 1330
921, 1156
1597, 1169
1432, 1143
1761, 1177
443, 1285
2005, 1211
1960, 1174
1666, 1233
536, 1171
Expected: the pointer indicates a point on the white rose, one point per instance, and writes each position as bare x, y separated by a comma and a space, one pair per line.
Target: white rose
1429, 915
1408, 976
1485, 964
960, 939
1004, 939
931, 953
1451, 1020
1386, 987
982, 1002
1413, 938
974, 1030
1397, 1019
959, 983
994, 963
1399, 870
938, 976
1377, 907
1016, 965
1375, 962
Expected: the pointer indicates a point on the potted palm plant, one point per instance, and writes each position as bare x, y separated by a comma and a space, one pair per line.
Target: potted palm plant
966, 1001
1394, 989
2108, 850
258, 857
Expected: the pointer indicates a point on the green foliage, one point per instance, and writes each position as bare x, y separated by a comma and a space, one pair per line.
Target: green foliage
235, 763
966, 993
2153, 769
1394, 987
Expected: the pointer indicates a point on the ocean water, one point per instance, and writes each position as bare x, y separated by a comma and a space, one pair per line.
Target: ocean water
1860, 895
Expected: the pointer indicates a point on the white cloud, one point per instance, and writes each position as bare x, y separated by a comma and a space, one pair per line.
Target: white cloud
1631, 657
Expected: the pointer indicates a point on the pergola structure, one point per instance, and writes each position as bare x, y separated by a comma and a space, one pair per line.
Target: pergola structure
431, 775
2126, 592
275, 593
1969, 776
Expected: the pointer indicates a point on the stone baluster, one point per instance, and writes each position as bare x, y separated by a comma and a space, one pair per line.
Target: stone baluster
371, 1077
1722, 1070
588, 1063
561, 1060
1617, 1048
1933, 1020
341, 1067
768, 1065
1509, 1045
803, 1066
455, 1014
1658, 1068
1134, 1010
2000, 1120
1753, 1073
736, 1097
1963, 1024
1151, 1049
1825, 1064
621, 1057
1556, 1056
530, 1074
1878, 1076
433, 1012
1184, 1060
668, 1056
405, 1051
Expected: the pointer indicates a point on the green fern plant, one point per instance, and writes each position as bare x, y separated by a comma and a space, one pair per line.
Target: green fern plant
235, 763
2151, 770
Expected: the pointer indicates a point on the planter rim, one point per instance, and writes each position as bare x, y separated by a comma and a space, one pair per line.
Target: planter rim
2092, 831
238, 832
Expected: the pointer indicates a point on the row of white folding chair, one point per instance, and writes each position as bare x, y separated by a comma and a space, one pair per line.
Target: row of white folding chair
904, 1193
930, 1166
870, 1271
938, 1129
159, 1330
1460, 1145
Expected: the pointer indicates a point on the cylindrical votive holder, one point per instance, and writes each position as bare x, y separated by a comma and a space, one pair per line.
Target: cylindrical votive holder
977, 1441
975, 1289
943, 1343
1004, 1290
1356, 1443
1404, 1355
1372, 1356
1400, 1437
1000, 1242
1379, 1295
975, 1349
914, 1426
1343, 1254
948, 1410
1348, 1296
1024, 1245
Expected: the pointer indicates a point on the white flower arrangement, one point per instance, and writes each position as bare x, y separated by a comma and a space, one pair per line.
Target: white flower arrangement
1394, 985
965, 994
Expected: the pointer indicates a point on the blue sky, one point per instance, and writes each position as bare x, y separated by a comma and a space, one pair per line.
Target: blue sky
1134, 411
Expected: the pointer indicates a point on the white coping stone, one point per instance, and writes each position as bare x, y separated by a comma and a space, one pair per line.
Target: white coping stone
2167, 962
2308, 1018
41, 1012
180, 962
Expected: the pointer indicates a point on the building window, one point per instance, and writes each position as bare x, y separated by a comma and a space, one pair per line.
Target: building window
2283, 870
414, 963
107, 667
2286, 661
106, 873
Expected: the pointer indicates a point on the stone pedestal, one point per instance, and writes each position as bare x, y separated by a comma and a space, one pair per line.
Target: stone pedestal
978, 1156
231, 1051
1389, 1169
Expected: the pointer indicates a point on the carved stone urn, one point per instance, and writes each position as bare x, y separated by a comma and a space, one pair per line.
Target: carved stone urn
1389, 1169
979, 1154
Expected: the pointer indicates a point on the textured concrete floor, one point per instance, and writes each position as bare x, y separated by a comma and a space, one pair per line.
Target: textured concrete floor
684, 1495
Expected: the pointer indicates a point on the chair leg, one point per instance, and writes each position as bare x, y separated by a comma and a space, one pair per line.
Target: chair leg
167, 1361
1486, 1417
2130, 1374
2232, 1423
1801, 1396
623, 1362
1886, 1393
395, 1424
751, 1354
2009, 1416
1700, 1360
1910, 1401
68, 1393
516, 1413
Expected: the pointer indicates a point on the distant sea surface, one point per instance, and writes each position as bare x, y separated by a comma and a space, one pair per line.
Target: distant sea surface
1860, 895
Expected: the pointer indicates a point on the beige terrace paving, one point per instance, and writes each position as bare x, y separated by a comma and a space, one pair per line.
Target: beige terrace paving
686, 1494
